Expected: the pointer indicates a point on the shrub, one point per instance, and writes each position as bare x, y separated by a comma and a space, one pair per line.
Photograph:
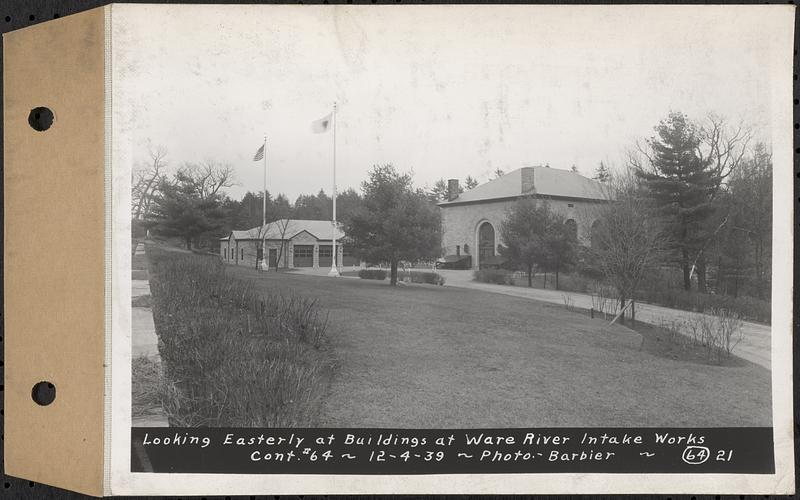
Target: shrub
232, 357
427, 277
718, 332
496, 276
748, 308
372, 274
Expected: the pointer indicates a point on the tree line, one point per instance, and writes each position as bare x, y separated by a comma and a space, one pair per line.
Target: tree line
192, 205
695, 197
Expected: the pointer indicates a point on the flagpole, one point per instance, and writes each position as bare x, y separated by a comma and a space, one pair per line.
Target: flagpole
264, 261
334, 271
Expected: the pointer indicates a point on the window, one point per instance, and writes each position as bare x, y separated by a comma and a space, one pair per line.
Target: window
570, 205
242, 253
301, 251
325, 251
225, 253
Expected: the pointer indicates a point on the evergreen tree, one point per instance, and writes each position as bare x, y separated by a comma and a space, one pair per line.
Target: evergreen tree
601, 173
534, 238
395, 221
470, 182
179, 211
311, 207
682, 186
744, 246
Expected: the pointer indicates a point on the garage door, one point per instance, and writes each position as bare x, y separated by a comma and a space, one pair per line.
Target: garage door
304, 256
325, 255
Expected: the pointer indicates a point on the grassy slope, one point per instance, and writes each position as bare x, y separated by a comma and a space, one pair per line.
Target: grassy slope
427, 356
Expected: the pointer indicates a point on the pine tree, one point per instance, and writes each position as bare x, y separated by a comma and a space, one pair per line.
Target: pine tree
394, 222
682, 186
601, 173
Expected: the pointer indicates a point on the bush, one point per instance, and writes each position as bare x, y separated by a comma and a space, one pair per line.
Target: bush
496, 276
231, 357
372, 274
428, 277
717, 332
748, 308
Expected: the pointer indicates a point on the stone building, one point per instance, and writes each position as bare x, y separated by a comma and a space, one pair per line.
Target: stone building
471, 220
289, 243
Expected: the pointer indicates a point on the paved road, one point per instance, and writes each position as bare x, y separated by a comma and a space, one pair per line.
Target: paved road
755, 347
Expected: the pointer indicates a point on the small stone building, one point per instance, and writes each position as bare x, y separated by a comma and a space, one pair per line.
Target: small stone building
288, 243
471, 220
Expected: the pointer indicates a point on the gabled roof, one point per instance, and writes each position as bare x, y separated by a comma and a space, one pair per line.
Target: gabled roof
542, 181
286, 229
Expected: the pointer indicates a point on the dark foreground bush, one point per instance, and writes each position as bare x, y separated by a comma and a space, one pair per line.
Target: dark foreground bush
232, 357
372, 274
496, 276
427, 277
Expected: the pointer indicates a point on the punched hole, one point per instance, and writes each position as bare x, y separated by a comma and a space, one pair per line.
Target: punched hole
40, 118
43, 393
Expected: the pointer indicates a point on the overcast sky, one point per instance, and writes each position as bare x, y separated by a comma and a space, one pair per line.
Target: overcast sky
445, 91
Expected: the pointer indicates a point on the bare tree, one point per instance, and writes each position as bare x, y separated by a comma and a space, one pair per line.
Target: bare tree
263, 232
627, 239
207, 177
723, 146
283, 228
145, 180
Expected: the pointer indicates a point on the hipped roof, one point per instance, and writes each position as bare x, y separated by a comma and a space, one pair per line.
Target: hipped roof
549, 182
286, 229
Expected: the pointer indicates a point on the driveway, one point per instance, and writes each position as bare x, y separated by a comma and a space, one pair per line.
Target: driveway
755, 347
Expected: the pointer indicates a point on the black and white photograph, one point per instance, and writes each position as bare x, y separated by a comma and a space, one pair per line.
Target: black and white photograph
421, 218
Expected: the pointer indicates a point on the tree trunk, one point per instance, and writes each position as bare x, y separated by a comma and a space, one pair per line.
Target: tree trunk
188, 243
530, 276
393, 275
556, 279
544, 283
687, 279
701, 275
622, 308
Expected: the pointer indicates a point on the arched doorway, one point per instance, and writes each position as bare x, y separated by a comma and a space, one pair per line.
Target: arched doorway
485, 242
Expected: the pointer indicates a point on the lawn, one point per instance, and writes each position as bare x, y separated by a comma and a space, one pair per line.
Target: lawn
437, 357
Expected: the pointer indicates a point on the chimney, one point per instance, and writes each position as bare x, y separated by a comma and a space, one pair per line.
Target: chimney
452, 189
528, 186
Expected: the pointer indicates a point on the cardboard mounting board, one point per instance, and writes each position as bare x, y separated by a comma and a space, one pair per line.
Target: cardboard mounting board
55, 251
60, 211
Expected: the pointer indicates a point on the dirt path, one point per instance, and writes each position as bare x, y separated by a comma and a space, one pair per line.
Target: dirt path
427, 356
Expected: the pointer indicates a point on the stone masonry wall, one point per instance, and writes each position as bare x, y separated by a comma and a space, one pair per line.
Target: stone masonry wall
460, 222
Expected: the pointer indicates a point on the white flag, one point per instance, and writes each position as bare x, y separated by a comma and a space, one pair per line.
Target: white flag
322, 125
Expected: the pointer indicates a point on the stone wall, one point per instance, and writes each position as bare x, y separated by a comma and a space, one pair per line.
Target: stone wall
460, 223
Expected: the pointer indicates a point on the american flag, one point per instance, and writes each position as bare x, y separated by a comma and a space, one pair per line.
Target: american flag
260, 153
